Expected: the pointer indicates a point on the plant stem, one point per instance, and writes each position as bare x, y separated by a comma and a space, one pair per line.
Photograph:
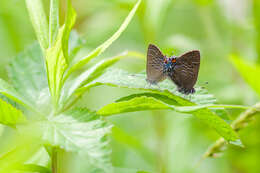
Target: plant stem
54, 160
238, 124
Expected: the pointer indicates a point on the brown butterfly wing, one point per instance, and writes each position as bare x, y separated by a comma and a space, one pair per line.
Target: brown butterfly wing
186, 71
154, 64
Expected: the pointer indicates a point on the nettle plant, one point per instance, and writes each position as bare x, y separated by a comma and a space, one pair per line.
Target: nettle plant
47, 80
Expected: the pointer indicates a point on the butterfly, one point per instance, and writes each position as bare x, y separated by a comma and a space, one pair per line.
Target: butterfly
182, 70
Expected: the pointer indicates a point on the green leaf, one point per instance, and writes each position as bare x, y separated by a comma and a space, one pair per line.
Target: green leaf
69, 23
121, 78
10, 101
7, 90
17, 156
56, 56
89, 75
39, 21
250, 72
27, 73
222, 113
135, 104
78, 130
33, 168
141, 103
100, 49
166, 91
161, 97
182, 108
9, 115
53, 21
56, 66
41, 157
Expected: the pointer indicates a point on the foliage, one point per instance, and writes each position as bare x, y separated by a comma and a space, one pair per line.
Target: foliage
46, 81
250, 73
75, 130
10, 115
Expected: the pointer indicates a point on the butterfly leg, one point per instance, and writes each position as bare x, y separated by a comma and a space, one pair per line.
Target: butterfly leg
186, 91
190, 91
181, 90
151, 82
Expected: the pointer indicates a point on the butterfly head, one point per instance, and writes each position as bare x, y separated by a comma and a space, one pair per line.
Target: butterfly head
169, 64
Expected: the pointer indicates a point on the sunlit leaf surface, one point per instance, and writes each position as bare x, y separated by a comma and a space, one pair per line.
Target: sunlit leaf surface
9, 115
78, 130
7, 90
25, 70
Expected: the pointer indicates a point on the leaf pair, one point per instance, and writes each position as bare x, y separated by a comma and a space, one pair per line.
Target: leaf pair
164, 97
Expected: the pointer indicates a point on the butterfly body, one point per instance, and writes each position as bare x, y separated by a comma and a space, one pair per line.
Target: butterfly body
182, 70
169, 64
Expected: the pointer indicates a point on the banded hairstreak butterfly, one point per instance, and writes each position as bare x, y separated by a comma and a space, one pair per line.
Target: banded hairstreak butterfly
182, 70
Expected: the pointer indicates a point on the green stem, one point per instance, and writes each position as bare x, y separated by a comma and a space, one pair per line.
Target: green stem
54, 158
234, 107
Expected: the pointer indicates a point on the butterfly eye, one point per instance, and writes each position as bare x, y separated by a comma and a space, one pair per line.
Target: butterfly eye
173, 60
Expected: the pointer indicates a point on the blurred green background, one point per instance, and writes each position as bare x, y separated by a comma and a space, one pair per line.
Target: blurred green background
161, 141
